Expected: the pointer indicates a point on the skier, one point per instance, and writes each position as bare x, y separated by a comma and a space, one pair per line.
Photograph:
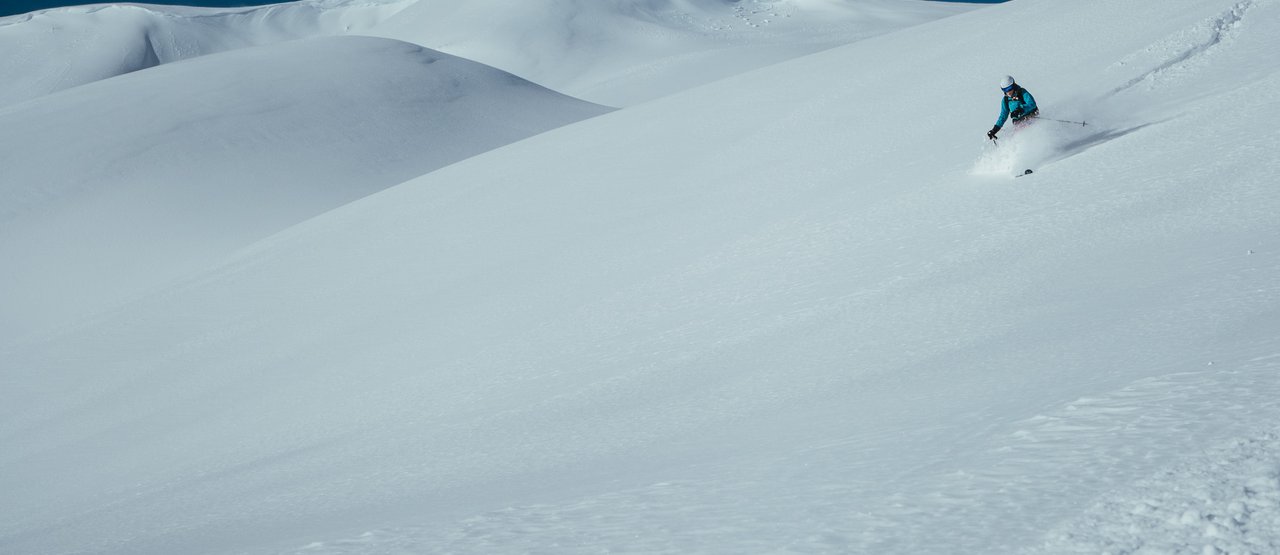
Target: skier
1017, 103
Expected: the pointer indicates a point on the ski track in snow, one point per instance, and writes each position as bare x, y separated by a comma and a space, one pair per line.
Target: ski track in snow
1188, 49
1019, 484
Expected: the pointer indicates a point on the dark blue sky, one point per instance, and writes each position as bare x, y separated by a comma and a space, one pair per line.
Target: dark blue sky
11, 7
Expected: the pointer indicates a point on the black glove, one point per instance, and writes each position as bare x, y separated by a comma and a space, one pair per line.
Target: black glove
992, 133
1017, 114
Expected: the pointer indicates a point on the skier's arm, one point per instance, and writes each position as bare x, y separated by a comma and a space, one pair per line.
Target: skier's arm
1004, 114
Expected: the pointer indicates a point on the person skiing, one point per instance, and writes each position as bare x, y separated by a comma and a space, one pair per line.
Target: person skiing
1017, 104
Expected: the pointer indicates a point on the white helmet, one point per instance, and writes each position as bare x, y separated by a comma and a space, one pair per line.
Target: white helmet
1007, 83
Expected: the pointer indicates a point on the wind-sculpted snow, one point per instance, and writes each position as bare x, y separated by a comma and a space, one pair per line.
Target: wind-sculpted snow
114, 187
52, 50
778, 313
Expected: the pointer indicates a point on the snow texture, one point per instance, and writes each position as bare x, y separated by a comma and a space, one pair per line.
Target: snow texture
1225, 501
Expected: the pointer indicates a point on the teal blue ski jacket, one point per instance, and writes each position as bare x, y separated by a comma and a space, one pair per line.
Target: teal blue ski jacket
1021, 106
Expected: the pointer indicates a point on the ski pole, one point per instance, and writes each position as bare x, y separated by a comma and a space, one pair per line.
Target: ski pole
1065, 121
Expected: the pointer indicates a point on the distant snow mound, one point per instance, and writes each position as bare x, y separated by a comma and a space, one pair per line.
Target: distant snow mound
624, 52
52, 50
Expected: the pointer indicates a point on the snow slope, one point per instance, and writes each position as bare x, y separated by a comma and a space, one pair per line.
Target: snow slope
51, 50
623, 52
115, 187
790, 311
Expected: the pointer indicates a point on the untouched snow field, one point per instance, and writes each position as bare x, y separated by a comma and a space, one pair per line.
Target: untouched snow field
800, 309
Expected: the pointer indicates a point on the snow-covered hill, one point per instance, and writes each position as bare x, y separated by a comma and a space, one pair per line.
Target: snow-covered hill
623, 52
802, 309
51, 50
115, 187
